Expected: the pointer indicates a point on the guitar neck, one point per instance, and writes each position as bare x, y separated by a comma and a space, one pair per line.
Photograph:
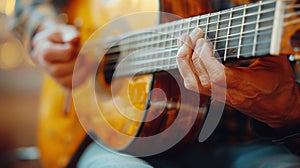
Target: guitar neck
246, 31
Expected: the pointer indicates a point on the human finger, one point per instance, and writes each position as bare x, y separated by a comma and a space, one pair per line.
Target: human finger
185, 65
214, 68
200, 70
195, 35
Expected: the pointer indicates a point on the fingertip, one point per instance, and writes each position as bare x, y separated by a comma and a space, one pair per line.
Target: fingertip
200, 42
197, 32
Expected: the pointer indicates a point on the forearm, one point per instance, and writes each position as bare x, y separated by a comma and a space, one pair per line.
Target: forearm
293, 118
265, 91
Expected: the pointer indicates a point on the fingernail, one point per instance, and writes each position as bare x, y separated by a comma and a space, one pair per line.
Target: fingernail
195, 31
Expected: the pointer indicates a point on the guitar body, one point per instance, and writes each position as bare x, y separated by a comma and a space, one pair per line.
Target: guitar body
60, 132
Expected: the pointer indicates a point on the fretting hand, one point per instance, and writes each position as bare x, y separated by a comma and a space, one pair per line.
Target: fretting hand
266, 90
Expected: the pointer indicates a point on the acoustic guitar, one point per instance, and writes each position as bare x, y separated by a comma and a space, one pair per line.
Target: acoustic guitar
146, 98
59, 131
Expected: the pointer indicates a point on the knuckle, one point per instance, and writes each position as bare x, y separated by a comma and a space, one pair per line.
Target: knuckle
205, 84
182, 57
190, 85
218, 77
55, 71
46, 56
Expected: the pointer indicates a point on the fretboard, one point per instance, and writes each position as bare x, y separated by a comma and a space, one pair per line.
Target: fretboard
243, 31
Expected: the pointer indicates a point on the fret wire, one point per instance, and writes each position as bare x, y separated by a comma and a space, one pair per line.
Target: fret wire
228, 31
242, 30
170, 52
153, 45
216, 33
164, 43
198, 21
206, 27
257, 27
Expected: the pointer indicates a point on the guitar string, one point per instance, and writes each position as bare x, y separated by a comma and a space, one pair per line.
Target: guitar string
151, 68
231, 38
222, 39
175, 46
140, 56
154, 62
160, 40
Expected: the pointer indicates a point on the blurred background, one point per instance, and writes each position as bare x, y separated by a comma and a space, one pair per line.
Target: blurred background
20, 83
